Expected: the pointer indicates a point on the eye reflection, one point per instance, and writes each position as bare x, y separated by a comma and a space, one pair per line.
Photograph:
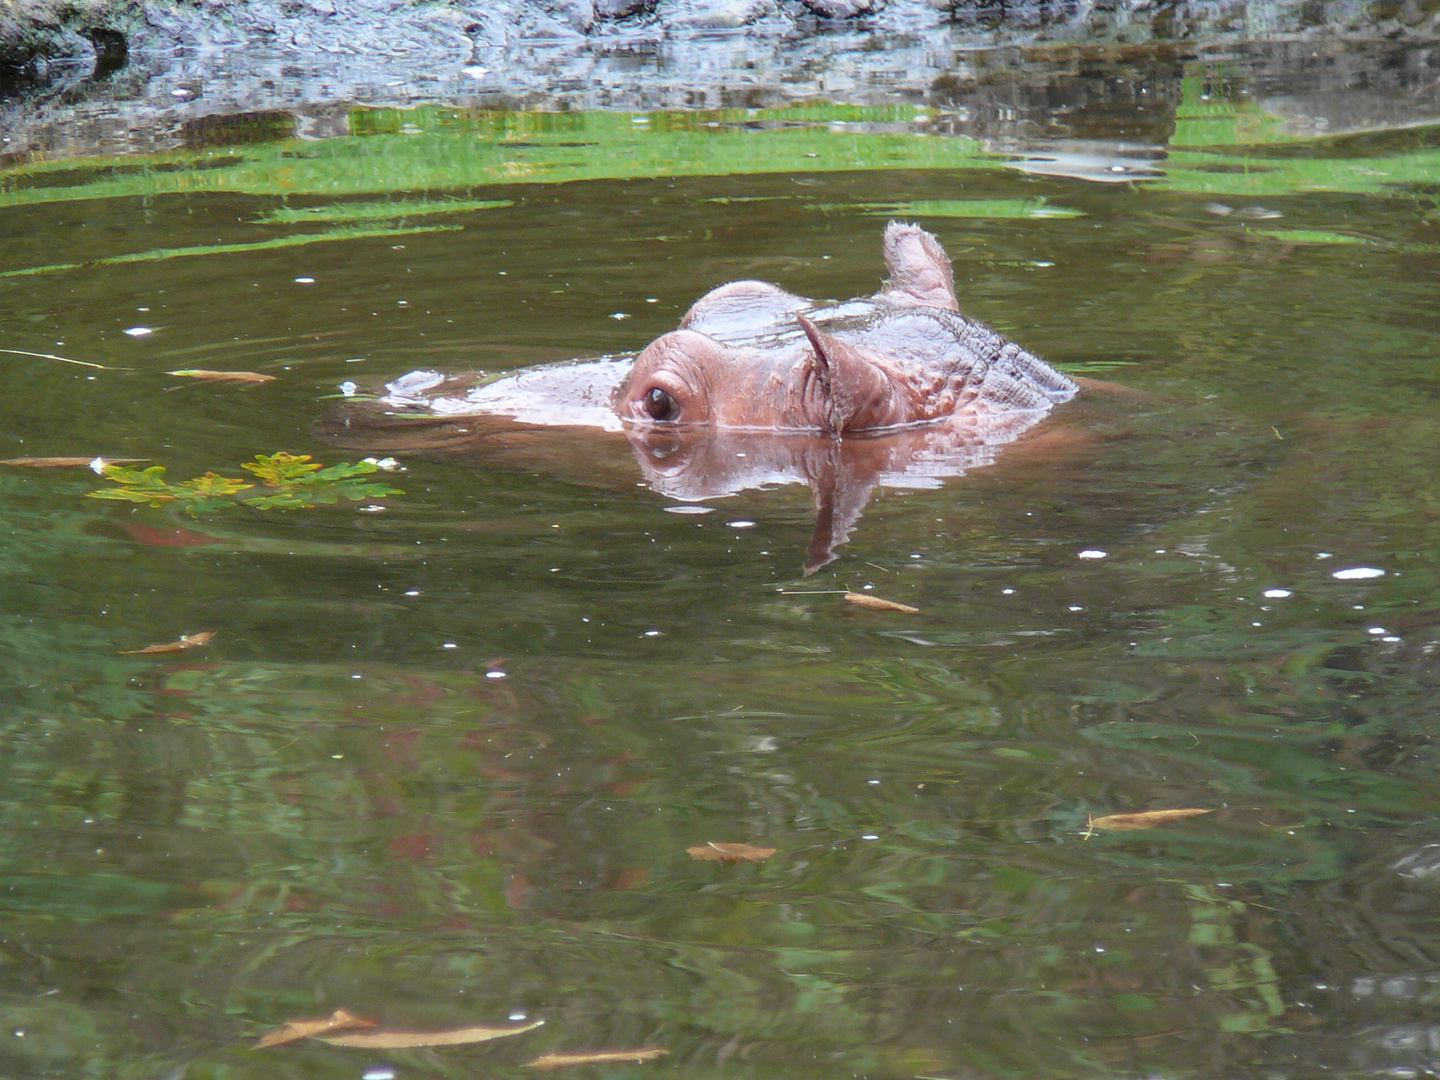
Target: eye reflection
661, 406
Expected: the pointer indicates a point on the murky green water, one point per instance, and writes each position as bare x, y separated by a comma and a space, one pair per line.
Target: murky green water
441, 762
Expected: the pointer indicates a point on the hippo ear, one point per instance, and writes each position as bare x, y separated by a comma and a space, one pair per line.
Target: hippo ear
859, 390
919, 268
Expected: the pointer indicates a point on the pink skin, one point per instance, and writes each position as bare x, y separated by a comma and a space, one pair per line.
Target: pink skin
751, 356
717, 385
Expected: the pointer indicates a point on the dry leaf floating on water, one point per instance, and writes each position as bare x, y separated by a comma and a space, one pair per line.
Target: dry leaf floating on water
223, 376
67, 462
403, 1040
1147, 819
293, 1031
187, 641
876, 603
729, 853
597, 1057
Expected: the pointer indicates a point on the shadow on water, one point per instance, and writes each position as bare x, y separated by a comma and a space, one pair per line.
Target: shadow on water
441, 762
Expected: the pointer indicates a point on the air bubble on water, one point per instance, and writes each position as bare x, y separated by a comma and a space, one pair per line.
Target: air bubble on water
689, 509
1276, 594
1358, 573
1092, 553
140, 331
304, 281
742, 524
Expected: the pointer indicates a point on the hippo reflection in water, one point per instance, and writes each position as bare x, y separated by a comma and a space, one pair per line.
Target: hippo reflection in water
760, 387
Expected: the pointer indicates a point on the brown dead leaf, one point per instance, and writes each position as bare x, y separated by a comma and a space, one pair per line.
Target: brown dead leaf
223, 376
67, 462
596, 1057
713, 852
339, 1020
875, 603
1147, 819
401, 1040
187, 641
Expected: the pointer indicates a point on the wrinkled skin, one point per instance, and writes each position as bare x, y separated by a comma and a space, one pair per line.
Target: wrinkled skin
751, 356
758, 387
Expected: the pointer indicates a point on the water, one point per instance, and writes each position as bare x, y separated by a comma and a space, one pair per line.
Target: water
441, 762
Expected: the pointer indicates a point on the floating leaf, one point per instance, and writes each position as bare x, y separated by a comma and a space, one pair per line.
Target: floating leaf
213, 485
137, 485
729, 853
281, 469
295, 1030
223, 376
1147, 819
299, 482
875, 603
66, 462
596, 1057
187, 641
400, 1040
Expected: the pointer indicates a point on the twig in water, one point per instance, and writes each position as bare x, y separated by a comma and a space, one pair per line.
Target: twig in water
52, 356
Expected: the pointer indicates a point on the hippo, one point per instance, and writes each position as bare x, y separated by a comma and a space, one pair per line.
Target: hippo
756, 387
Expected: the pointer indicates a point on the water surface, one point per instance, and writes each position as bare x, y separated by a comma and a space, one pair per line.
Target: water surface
442, 760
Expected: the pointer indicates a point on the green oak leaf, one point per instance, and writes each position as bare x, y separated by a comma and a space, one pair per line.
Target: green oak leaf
214, 485
153, 498
281, 469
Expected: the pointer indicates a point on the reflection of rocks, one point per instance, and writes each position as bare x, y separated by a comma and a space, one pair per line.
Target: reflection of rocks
1009, 96
1332, 91
1023, 76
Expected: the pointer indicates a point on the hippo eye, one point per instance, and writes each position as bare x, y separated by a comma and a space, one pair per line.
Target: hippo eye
660, 405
